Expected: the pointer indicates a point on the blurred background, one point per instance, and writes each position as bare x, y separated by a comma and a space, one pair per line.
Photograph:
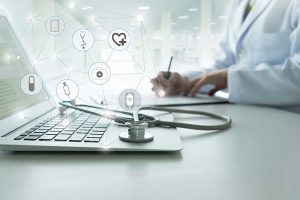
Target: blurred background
189, 30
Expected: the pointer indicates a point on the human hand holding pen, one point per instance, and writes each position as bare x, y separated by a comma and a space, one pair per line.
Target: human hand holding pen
174, 85
167, 83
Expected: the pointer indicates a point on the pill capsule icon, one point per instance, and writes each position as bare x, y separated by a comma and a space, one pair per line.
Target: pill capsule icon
31, 83
129, 100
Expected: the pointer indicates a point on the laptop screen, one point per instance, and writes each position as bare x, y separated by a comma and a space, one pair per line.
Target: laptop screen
14, 65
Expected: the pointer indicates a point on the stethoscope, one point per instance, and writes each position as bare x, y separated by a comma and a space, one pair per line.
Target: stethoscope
136, 128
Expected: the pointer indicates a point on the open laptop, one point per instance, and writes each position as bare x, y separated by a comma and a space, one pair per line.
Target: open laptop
33, 123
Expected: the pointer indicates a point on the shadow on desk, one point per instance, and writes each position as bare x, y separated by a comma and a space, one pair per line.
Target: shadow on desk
196, 135
90, 157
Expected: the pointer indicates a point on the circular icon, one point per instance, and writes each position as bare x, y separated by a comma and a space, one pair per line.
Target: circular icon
83, 40
67, 90
55, 25
99, 73
130, 100
119, 39
31, 84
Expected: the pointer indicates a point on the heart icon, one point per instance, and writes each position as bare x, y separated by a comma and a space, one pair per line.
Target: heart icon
119, 39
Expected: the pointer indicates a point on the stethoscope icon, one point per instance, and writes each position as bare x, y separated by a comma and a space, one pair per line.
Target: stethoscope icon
83, 43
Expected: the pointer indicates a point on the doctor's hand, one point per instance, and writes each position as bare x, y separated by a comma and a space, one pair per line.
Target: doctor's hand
216, 78
174, 85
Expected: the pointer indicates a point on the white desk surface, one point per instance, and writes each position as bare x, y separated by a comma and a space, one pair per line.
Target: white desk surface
257, 159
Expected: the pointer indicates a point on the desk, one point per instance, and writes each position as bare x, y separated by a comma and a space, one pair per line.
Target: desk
257, 159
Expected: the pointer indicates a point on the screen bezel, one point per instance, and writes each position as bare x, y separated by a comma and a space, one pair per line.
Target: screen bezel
15, 121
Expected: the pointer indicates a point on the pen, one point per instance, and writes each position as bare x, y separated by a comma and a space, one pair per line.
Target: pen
168, 73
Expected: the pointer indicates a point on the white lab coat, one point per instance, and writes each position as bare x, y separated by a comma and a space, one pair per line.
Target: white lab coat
262, 53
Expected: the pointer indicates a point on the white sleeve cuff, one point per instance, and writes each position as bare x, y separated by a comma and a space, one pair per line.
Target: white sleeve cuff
234, 85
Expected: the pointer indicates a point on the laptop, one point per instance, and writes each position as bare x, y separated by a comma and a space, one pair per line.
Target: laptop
34, 123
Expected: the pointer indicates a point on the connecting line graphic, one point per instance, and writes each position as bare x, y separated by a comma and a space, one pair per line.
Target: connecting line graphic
107, 60
97, 21
139, 82
64, 64
44, 45
143, 70
142, 38
91, 21
33, 44
90, 57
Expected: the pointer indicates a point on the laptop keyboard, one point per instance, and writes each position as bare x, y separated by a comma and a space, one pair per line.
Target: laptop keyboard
76, 126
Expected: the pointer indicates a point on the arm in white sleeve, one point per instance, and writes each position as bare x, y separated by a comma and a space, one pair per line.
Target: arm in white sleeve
276, 85
265, 84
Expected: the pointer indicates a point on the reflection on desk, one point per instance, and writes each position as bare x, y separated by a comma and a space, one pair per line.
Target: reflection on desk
258, 158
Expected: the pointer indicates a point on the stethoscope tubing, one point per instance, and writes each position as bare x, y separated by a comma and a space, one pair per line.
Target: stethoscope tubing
227, 120
153, 121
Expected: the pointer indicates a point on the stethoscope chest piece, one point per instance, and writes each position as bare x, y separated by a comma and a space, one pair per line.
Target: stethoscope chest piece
136, 133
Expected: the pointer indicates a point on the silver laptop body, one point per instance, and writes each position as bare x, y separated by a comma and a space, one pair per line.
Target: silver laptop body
33, 123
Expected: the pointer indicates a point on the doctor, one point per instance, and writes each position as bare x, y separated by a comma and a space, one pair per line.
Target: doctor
261, 63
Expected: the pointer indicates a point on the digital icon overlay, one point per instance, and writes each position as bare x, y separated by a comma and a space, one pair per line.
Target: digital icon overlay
55, 25
83, 40
99, 73
67, 90
31, 84
119, 39
130, 100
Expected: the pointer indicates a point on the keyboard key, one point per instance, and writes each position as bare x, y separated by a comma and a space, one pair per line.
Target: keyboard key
32, 129
51, 123
70, 129
25, 133
32, 137
90, 123
52, 133
74, 126
87, 126
36, 134
84, 129
99, 129
44, 128
92, 139
76, 138
82, 132
40, 131
57, 129
19, 137
47, 137
96, 133
62, 137
67, 132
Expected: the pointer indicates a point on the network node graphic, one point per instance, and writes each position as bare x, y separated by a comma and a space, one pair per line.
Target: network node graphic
31, 84
83, 39
119, 39
130, 100
55, 25
99, 73
67, 90
123, 46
